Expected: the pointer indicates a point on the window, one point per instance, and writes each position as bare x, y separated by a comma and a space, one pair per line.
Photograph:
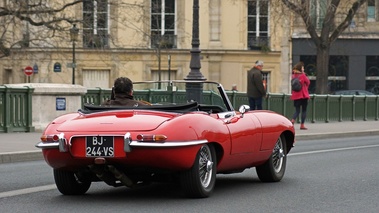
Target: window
214, 20
165, 75
371, 11
96, 78
372, 74
95, 23
266, 80
338, 67
163, 16
258, 24
317, 12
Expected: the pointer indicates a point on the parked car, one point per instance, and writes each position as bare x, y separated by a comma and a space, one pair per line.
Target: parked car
184, 135
352, 92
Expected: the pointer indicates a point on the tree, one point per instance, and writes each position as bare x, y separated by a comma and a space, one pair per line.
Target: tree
20, 18
329, 31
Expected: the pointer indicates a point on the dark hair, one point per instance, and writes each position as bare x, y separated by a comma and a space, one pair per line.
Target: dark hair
123, 85
298, 66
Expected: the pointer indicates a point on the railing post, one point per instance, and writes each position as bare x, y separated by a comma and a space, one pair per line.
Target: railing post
365, 109
7, 110
377, 106
313, 98
268, 102
327, 118
29, 108
284, 101
341, 108
353, 108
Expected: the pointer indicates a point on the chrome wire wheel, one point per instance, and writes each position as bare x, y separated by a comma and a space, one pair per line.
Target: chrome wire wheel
199, 181
205, 166
274, 168
278, 155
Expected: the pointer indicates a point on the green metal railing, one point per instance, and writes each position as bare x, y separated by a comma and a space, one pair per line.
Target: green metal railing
16, 105
16, 109
321, 108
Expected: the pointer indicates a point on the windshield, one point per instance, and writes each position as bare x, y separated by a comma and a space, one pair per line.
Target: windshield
180, 92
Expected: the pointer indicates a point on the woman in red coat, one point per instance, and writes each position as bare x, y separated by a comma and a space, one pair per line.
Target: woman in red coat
300, 98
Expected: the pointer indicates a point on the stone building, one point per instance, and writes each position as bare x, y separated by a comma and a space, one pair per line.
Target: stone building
151, 40
129, 38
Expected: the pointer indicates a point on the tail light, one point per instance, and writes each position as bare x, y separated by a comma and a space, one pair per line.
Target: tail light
49, 138
63, 144
151, 138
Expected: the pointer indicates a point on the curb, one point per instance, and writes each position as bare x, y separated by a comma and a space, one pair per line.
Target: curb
13, 157
315, 136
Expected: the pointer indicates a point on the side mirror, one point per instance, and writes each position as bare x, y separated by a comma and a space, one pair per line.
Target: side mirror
243, 109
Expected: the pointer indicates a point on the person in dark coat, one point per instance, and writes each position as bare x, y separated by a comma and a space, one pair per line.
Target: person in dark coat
123, 94
300, 98
255, 88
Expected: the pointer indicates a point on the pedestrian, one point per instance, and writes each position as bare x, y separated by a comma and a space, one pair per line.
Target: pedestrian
300, 98
234, 88
255, 88
122, 94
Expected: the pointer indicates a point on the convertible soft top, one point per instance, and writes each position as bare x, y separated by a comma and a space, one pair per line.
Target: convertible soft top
178, 108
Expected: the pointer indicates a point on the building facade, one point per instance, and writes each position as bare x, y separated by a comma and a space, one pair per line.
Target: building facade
354, 56
151, 40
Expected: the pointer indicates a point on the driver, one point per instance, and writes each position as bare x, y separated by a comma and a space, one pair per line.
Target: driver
122, 94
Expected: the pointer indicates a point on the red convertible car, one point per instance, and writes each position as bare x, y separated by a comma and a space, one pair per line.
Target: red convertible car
189, 133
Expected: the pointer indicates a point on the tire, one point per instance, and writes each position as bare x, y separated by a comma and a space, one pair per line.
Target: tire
69, 184
274, 168
199, 181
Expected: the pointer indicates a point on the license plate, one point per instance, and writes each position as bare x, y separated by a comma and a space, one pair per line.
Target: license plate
100, 146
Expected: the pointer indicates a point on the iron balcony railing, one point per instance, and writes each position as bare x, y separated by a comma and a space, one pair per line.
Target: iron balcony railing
258, 43
163, 41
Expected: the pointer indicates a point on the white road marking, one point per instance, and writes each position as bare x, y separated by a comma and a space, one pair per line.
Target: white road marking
27, 191
333, 150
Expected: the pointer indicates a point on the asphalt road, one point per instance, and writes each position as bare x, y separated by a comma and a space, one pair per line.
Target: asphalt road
328, 175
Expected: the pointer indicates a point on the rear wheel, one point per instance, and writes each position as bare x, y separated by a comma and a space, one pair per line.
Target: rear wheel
68, 183
199, 181
273, 169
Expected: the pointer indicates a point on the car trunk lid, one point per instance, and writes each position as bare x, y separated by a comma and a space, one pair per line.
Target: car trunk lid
114, 121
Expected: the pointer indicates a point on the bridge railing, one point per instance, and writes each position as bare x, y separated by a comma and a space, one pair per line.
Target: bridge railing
16, 109
321, 108
16, 105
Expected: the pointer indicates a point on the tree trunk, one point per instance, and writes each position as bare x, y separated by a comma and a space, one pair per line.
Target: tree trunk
322, 70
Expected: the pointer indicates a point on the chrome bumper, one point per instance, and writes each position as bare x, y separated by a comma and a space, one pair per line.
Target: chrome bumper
42, 145
63, 145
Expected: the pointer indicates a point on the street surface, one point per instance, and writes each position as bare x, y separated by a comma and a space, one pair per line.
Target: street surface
325, 175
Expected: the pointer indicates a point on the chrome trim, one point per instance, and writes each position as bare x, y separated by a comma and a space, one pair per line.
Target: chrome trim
63, 146
127, 140
43, 145
168, 144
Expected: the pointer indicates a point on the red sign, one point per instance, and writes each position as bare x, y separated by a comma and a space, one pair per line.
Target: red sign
28, 71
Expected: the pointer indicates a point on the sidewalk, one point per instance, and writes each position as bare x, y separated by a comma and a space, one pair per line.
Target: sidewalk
18, 147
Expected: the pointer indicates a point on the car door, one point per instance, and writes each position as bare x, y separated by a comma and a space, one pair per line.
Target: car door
245, 134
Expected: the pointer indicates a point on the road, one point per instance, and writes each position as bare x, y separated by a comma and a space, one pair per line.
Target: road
334, 175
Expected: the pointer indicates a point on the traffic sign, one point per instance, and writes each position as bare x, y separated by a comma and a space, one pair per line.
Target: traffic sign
28, 70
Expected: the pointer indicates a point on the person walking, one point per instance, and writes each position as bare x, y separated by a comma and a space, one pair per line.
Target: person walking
122, 94
300, 98
255, 88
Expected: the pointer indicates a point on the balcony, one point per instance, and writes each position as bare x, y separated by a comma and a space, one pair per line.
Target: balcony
258, 43
163, 41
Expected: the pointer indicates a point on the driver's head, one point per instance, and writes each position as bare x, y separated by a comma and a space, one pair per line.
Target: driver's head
123, 85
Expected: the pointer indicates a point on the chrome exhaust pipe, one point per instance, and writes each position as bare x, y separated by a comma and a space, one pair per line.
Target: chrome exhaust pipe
121, 176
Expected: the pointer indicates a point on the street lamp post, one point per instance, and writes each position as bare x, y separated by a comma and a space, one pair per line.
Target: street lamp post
74, 32
194, 90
